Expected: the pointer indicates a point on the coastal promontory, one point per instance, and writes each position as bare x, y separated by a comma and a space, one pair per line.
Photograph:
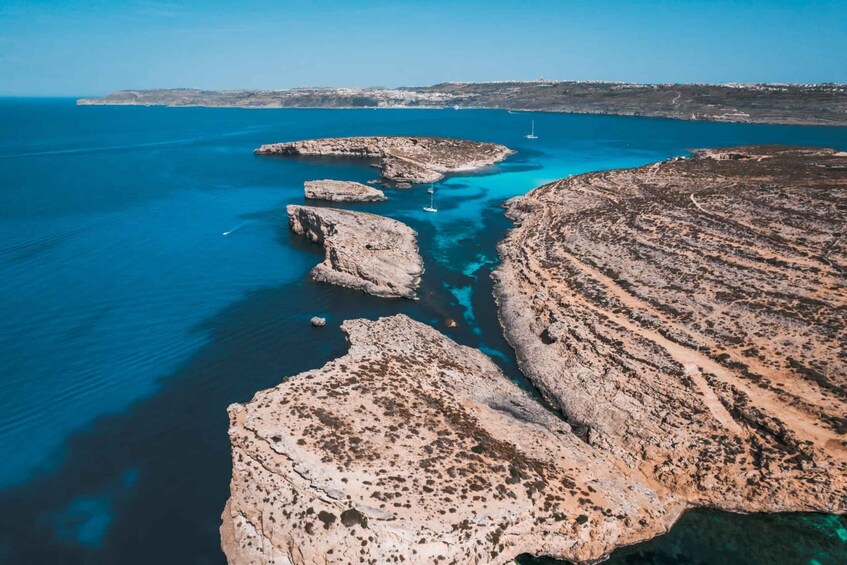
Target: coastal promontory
366, 252
342, 191
688, 318
412, 448
401, 159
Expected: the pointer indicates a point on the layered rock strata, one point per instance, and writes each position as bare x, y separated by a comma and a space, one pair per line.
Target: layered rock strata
366, 252
689, 318
401, 159
413, 448
341, 191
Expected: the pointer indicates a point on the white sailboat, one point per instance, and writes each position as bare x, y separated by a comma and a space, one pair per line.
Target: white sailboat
431, 207
532, 135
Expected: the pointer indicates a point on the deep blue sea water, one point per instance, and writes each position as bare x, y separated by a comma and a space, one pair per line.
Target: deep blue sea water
129, 321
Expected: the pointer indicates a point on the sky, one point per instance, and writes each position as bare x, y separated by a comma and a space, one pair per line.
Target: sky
86, 48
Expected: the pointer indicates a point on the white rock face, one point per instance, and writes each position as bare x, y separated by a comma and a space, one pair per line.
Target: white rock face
367, 252
342, 191
414, 448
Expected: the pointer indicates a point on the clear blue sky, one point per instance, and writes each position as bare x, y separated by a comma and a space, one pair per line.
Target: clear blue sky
75, 47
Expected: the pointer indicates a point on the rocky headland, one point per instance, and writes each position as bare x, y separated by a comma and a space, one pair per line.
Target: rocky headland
818, 104
342, 191
687, 320
413, 448
688, 317
401, 159
366, 252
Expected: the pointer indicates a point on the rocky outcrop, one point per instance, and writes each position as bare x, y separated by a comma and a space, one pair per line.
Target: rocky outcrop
688, 318
414, 449
367, 252
402, 159
342, 191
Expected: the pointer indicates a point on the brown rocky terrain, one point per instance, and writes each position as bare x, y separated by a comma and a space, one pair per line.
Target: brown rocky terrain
689, 318
366, 252
412, 448
401, 159
341, 191
819, 104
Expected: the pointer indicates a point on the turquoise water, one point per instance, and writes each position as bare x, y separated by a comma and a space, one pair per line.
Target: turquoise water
130, 321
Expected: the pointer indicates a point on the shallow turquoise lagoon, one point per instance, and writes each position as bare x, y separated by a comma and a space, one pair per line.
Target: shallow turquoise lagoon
129, 321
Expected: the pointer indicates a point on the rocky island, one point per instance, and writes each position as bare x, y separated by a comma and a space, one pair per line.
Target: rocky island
366, 252
811, 104
401, 159
342, 191
688, 317
413, 448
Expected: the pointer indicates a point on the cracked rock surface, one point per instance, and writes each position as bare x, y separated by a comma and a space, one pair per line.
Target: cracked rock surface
689, 318
366, 252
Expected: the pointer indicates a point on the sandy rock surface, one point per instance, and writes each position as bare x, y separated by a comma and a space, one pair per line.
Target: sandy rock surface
689, 317
413, 446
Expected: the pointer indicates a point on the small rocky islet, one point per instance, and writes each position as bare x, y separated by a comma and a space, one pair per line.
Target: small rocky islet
341, 191
687, 320
364, 251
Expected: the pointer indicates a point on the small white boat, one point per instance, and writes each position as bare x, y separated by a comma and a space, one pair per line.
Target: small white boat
431, 207
531, 134
430, 190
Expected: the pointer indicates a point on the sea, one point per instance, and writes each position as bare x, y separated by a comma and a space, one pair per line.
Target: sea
148, 279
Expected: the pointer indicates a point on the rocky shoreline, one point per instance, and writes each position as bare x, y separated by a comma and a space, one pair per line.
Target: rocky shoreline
686, 318
808, 104
414, 448
401, 159
365, 252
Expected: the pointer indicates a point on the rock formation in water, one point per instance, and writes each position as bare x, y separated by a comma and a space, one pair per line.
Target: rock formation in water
342, 191
688, 317
367, 252
401, 159
413, 448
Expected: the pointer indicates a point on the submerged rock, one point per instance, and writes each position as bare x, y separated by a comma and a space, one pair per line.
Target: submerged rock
413, 448
367, 252
401, 159
688, 316
342, 191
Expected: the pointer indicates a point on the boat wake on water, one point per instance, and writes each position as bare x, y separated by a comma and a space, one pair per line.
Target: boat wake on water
236, 228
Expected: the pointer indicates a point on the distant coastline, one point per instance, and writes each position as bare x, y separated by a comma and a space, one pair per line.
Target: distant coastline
790, 104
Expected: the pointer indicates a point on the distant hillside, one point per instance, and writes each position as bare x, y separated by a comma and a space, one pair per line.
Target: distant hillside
816, 104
